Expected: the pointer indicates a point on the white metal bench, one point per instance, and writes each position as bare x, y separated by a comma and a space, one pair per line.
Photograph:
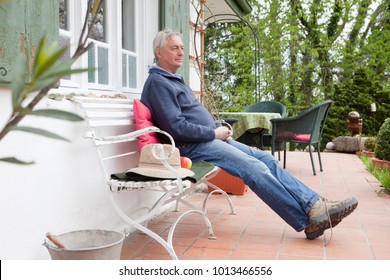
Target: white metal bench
112, 129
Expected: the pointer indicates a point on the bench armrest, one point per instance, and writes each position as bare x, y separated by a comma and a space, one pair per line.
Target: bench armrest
127, 136
157, 151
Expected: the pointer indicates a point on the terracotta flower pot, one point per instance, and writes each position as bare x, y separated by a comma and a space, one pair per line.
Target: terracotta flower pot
377, 163
368, 154
380, 164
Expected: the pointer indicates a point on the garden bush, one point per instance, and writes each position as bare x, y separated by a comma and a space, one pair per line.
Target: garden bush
370, 143
382, 147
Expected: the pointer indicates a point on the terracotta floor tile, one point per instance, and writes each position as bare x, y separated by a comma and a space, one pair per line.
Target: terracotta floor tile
257, 233
272, 248
224, 244
356, 251
296, 257
381, 252
315, 252
378, 237
347, 235
300, 240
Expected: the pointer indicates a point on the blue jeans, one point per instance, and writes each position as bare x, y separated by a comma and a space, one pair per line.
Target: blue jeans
287, 196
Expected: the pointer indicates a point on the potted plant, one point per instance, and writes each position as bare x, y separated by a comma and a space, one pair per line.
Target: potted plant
382, 146
369, 147
382, 175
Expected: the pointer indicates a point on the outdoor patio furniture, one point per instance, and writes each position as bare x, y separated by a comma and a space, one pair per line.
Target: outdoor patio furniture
120, 152
256, 138
306, 128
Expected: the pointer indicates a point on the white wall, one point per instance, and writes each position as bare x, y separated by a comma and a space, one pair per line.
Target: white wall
63, 191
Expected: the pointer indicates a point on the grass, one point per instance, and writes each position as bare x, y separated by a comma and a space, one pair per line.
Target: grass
381, 174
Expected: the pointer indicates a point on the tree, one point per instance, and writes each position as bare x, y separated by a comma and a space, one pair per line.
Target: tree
304, 49
229, 70
357, 95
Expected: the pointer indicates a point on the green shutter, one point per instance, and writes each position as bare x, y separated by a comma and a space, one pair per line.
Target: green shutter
22, 24
176, 16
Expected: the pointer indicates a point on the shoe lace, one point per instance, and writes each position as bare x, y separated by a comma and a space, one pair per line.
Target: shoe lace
330, 223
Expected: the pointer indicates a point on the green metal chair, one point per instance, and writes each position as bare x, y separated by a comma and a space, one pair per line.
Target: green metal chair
267, 107
306, 128
255, 138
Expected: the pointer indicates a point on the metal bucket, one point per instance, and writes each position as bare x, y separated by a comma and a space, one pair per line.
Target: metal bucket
87, 245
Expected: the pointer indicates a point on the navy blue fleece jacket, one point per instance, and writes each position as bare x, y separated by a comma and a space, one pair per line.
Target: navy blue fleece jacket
175, 108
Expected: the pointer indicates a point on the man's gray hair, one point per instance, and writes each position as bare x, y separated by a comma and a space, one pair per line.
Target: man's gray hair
161, 38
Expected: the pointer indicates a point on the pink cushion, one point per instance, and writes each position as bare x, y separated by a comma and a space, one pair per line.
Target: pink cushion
143, 118
302, 137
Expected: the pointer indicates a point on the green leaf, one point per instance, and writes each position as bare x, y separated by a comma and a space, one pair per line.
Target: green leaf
51, 75
95, 7
40, 52
38, 131
47, 57
41, 83
18, 80
55, 73
45, 62
16, 161
56, 114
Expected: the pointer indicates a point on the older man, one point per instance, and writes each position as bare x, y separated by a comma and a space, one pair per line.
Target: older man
176, 110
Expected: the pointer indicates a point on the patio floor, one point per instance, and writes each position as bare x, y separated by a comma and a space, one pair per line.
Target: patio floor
257, 233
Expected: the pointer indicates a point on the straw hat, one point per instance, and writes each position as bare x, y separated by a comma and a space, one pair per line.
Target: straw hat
150, 166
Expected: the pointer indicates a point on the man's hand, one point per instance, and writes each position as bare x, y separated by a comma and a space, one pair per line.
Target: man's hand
223, 133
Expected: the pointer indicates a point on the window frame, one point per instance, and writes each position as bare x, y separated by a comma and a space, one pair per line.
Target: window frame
69, 83
130, 53
145, 27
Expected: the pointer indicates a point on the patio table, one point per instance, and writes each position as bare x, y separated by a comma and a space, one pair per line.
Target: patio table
248, 121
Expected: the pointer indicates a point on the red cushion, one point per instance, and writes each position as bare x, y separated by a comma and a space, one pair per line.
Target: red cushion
302, 137
143, 118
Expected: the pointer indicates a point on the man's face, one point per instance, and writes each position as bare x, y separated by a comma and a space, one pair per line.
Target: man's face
170, 57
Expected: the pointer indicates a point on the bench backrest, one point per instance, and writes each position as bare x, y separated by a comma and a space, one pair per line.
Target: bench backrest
107, 117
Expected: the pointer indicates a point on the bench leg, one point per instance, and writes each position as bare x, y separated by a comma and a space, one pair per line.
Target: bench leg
205, 180
206, 219
218, 190
167, 244
147, 231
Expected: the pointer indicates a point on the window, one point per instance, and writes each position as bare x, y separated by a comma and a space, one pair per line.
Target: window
64, 11
118, 54
98, 31
65, 35
129, 50
98, 55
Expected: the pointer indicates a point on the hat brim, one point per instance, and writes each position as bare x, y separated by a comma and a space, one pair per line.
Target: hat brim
159, 172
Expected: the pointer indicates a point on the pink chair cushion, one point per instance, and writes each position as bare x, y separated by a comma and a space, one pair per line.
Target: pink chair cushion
302, 137
143, 118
